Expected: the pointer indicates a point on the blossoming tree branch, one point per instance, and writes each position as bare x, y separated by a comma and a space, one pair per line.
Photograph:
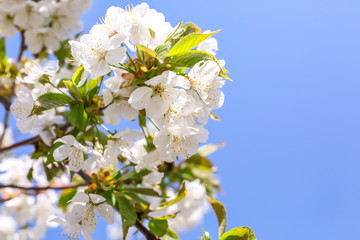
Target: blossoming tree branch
115, 118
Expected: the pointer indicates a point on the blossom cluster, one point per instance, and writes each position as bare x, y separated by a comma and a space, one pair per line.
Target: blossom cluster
44, 23
133, 66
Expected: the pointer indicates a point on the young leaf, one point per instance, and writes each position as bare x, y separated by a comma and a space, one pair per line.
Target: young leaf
74, 90
176, 28
128, 214
206, 235
52, 100
162, 50
3, 57
145, 52
170, 235
76, 78
189, 59
220, 213
239, 233
158, 226
188, 42
77, 116
129, 175
184, 30
181, 195
65, 196
144, 191
94, 82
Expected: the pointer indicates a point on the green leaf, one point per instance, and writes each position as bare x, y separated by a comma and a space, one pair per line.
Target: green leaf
131, 174
220, 213
239, 233
145, 52
63, 53
181, 195
168, 216
184, 30
170, 235
128, 214
3, 57
77, 116
144, 191
30, 175
94, 82
65, 196
74, 90
206, 235
76, 78
189, 58
162, 50
158, 226
53, 100
188, 42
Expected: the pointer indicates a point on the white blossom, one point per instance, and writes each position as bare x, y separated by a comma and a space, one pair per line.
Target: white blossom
71, 149
160, 95
82, 217
96, 51
34, 70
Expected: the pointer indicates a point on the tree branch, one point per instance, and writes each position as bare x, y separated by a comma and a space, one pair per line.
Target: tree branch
146, 232
85, 176
22, 46
5, 102
22, 143
43, 188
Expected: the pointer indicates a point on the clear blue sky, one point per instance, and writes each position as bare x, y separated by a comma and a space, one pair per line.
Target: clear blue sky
291, 119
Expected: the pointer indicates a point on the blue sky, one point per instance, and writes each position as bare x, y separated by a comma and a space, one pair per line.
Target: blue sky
291, 117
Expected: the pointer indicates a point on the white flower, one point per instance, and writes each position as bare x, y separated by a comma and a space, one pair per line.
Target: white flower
22, 107
160, 95
7, 227
46, 128
96, 51
34, 71
148, 26
42, 37
120, 107
15, 169
144, 159
179, 110
82, 216
7, 24
28, 16
22, 208
71, 149
202, 76
205, 83
179, 139
8, 136
153, 178
24, 103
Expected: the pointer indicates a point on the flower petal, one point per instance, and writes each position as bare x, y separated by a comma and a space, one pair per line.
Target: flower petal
106, 211
96, 198
80, 197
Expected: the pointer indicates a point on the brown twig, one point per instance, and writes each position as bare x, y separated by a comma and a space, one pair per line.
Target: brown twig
43, 188
85, 176
22, 46
5, 102
146, 232
22, 143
